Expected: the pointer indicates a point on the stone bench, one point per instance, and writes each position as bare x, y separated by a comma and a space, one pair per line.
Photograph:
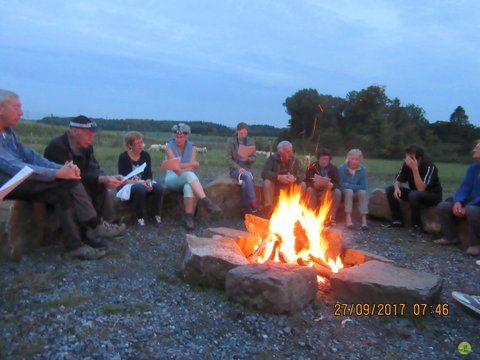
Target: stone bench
26, 225
378, 208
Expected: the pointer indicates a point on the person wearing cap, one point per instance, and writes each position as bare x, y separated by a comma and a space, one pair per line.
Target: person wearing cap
322, 178
75, 145
464, 207
142, 186
240, 168
53, 184
281, 170
424, 188
184, 178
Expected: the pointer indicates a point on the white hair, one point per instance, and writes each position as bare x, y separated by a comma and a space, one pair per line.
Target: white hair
357, 152
283, 144
5, 95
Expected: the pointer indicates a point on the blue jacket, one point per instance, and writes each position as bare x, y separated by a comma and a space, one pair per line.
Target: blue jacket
469, 191
358, 181
14, 156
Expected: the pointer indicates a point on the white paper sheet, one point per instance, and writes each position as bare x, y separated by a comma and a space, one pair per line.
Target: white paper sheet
16, 180
136, 171
172, 164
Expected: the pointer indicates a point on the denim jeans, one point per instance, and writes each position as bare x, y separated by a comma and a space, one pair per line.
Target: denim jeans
248, 187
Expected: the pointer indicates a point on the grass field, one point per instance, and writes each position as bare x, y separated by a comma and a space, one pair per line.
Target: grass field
109, 144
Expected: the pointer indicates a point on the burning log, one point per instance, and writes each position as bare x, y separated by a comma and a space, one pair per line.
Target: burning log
260, 251
322, 270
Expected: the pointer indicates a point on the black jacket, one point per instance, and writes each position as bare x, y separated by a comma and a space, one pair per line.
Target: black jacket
59, 151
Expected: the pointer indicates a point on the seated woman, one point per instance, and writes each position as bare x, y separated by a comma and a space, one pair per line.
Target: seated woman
240, 167
143, 185
184, 178
353, 182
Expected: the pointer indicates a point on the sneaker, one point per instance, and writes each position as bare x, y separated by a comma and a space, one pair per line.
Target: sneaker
253, 207
364, 227
141, 222
477, 262
86, 252
95, 243
473, 250
189, 222
416, 231
158, 219
471, 302
394, 224
211, 207
106, 230
350, 226
444, 241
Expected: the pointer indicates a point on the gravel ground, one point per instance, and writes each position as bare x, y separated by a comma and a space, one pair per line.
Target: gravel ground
133, 304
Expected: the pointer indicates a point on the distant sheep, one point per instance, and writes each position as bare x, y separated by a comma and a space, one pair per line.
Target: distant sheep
263, 153
157, 147
201, 150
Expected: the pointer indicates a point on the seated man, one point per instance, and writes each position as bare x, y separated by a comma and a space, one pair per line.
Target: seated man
327, 180
75, 145
52, 184
281, 170
465, 206
424, 188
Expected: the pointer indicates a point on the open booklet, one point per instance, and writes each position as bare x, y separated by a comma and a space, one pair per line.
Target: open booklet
245, 151
16, 180
171, 164
136, 171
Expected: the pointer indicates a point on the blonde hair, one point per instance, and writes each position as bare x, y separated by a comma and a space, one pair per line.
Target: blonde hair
131, 136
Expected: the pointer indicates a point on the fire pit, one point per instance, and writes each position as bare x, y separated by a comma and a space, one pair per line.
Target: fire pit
279, 263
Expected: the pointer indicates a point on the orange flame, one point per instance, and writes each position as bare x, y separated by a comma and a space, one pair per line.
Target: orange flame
281, 241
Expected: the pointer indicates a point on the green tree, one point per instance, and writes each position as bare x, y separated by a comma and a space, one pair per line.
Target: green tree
459, 116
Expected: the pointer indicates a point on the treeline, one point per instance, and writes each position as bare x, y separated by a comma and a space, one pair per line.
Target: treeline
198, 127
379, 126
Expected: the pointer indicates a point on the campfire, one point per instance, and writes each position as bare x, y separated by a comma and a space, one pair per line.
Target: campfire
295, 234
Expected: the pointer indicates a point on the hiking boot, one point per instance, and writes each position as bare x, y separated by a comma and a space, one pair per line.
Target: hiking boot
189, 223
210, 206
444, 241
106, 230
473, 250
471, 302
86, 252
95, 243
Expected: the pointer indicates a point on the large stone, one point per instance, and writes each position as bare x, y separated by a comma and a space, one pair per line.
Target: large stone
226, 193
379, 282
246, 241
30, 225
378, 207
275, 288
206, 261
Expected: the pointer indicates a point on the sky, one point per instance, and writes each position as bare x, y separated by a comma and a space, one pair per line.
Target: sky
230, 61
